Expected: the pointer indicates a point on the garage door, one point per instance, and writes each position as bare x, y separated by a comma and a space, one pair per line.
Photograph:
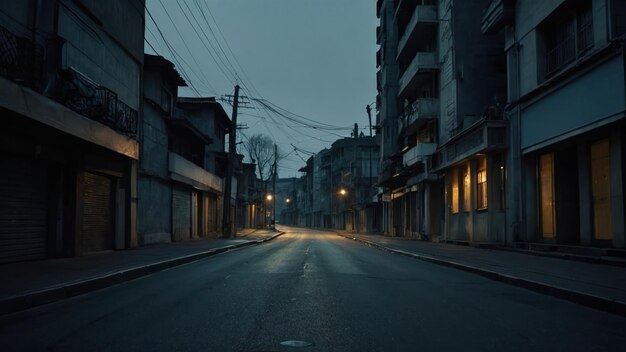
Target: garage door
23, 211
97, 213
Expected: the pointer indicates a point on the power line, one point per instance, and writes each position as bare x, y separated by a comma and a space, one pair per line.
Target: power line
206, 80
223, 67
172, 51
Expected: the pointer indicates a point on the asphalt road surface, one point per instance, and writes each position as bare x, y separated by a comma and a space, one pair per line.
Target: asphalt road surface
315, 289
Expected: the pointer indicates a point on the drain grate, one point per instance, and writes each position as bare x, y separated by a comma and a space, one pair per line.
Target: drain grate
296, 343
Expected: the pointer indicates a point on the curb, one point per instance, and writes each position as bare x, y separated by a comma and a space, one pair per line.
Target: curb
568, 256
52, 294
585, 299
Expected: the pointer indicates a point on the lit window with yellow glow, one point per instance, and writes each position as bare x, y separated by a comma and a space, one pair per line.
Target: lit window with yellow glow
481, 189
467, 203
455, 192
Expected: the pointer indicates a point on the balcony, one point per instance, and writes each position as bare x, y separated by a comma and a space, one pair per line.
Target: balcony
485, 135
496, 15
420, 111
418, 153
98, 103
183, 170
420, 31
422, 64
21, 60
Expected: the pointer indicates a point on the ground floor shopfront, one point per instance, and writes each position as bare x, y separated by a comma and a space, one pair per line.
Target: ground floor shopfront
61, 195
574, 190
185, 205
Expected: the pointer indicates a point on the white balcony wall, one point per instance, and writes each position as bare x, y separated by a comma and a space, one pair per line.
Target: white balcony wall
418, 153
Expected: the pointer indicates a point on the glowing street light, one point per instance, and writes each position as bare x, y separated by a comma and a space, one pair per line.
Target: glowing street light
343, 192
268, 197
288, 200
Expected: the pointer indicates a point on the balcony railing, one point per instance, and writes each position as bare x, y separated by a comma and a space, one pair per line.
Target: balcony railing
496, 15
423, 14
97, 103
423, 61
20, 59
421, 109
418, 153
562, 54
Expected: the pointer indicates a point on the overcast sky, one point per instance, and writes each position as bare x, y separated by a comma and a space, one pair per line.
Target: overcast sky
313, 58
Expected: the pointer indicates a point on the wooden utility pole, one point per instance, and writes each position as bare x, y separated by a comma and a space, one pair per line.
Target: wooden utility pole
274, 187
228, 228
369, 116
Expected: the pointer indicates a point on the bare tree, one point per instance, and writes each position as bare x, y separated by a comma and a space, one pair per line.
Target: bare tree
260, 149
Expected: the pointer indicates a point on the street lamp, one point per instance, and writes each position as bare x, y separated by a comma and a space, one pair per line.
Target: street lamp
343, 191
288, 200
268, 213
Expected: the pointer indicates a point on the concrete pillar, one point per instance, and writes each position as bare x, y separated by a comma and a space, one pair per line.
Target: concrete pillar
133, 239
530, 218
514, 181
617, 189
427, 205
584, 194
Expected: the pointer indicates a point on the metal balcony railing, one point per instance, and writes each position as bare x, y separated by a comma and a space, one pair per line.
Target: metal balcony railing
97, 103
20, 59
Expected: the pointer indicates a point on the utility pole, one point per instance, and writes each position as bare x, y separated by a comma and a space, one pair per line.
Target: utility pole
274, 187
369, 116
232, 151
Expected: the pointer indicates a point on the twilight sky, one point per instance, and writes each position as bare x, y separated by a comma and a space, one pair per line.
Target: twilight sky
312, 58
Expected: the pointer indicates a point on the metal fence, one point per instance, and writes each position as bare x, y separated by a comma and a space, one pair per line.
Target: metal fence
97, 103
20, 59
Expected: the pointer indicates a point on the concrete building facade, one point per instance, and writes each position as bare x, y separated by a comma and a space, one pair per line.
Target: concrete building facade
70, 77
566, 104
442, 181
510, 121
336, 187
182, 153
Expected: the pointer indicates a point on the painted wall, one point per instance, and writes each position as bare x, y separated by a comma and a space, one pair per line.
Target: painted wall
94, 53
564, 112
154, 210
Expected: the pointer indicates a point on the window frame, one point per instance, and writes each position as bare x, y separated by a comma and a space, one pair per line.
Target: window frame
481, 189
454, 192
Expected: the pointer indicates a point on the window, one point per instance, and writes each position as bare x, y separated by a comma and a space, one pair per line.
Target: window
481, 188
454, 206
567, 38
467, 203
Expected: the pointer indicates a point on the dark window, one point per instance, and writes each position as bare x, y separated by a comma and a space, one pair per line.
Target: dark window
567, 38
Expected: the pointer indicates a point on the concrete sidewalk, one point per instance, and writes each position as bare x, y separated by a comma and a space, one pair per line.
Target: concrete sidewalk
29, 284
598, 286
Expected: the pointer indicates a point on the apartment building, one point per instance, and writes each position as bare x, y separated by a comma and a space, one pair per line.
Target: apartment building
444, 181
70, 77
387, 108
566, 104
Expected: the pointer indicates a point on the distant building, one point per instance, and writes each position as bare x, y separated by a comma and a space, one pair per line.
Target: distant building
248, 185
337, 186
284, 195
70, 77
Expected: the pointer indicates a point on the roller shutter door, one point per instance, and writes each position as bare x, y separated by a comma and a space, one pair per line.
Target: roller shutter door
97, 224
23, 211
